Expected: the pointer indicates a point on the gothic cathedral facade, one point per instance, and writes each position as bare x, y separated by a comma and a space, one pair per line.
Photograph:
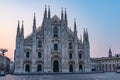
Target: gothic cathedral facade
52, 47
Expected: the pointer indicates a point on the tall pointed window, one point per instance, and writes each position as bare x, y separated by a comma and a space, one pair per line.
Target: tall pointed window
70, 45
70, 55
39, 43
27, 68
27, 54
39, 68
55, 30
55, 46
70, 68
39, 55
80, 68
80, 55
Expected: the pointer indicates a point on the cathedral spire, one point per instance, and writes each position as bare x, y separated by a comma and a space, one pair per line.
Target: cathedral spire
86, 47
34, 24
75, 25
65, 15
48, 12
22, 29
18, 28
110, 52
87, 33
80, 39
45, 13
85, 36
34, 20
34, 41
75, 29
62, 14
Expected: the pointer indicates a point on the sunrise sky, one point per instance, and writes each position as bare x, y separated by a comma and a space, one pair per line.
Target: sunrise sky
101, 17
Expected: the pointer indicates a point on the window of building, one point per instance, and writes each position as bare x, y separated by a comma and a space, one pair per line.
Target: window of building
27, 68
70, 45
55, 46
70, 68
39, 55
39, 43
70, 55
80, 67
80, 56
39, 68
55, 30
27, 54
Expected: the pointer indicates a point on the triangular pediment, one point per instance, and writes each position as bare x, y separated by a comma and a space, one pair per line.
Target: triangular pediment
55, 18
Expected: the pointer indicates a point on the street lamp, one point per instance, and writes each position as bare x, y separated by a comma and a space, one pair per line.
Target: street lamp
4, 59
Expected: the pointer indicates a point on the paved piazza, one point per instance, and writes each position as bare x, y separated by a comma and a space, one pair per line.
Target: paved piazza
98, 76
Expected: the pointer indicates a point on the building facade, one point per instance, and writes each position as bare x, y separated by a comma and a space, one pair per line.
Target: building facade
52, 47
11, 70
1, 63
4, 63
106, 64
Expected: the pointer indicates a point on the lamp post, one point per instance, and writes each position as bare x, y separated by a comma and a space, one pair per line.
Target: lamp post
4, 58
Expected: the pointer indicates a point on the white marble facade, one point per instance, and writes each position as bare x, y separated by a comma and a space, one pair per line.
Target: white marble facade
52, 47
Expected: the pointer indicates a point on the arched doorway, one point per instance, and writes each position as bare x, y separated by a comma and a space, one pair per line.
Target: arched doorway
55, 66
39, 68
27, 68
80, 68
70, 68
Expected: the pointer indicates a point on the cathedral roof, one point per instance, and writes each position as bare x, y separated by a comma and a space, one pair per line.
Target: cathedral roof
55, 18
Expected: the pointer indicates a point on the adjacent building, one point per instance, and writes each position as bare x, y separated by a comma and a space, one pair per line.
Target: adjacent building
7, 65
4, 63
12, 66
52, 47
1, 63
107, 64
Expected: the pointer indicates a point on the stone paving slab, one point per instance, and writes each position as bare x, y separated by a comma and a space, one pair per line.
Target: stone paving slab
97, 76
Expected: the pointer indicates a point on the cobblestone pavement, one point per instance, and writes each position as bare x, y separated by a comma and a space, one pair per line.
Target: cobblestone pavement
97, 76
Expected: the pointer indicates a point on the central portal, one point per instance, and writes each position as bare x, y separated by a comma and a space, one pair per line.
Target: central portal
55, 66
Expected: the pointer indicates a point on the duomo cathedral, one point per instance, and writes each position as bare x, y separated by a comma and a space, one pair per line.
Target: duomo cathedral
52, 47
